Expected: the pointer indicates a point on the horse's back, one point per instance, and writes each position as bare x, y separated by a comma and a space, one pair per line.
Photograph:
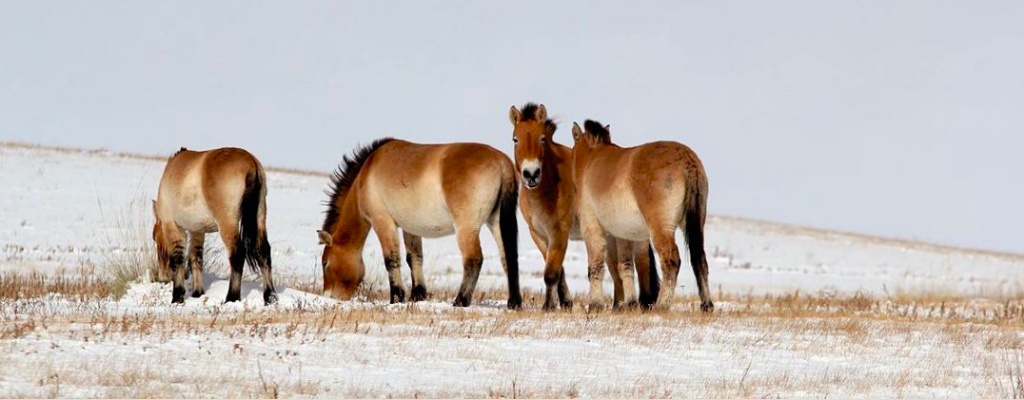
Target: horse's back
424, 187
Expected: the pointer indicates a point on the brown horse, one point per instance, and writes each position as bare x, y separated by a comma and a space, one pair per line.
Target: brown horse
221, 190
548, 205
641, 193
427, 191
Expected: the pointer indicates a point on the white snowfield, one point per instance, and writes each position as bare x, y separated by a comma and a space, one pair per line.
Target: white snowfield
66, 208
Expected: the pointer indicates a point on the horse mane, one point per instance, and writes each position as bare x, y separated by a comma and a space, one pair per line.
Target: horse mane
346, 174
530, 114
181, 150
597, 132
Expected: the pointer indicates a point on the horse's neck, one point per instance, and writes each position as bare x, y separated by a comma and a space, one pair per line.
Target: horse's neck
351, 228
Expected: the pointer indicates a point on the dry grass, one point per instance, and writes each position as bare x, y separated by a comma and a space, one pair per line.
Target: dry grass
132, 253
749, 327
79, 285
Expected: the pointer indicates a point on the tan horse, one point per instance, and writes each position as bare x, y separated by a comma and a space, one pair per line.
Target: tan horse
427, 191
639, 194
548, 205
221, 190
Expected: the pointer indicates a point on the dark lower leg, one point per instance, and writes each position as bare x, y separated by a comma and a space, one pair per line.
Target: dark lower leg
392, 264
470, 274
552, 275
563, 291
178, 273
237, 261
419, 289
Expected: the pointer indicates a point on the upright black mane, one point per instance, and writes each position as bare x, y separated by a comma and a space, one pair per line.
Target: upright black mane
343, 178
597, 132
530, 114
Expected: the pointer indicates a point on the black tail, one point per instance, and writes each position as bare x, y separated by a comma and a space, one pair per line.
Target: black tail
694, 220
509, 226
254, 242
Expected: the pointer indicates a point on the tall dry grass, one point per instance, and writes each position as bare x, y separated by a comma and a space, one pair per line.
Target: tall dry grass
131, 254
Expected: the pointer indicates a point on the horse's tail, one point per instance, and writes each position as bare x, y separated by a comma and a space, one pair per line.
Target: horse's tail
252, 212
508, 198
694, 215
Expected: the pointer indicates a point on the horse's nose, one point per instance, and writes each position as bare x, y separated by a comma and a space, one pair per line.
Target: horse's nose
531, 178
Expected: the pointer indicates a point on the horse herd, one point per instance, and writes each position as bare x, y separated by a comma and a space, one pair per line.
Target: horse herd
624, 203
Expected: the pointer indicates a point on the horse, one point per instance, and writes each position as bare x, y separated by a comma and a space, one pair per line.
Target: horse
641, 193
427, 190
548, 206
222, 190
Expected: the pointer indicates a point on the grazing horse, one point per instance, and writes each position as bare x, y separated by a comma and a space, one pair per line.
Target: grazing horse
222, 190
548, 205
427, 191
641, 193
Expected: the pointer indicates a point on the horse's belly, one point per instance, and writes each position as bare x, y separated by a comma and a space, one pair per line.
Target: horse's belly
428, 219
194, 216
622, 218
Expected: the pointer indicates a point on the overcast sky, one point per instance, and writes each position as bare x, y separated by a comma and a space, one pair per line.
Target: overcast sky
896, 118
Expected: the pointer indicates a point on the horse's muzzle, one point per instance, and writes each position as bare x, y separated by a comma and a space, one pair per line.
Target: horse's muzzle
531, 179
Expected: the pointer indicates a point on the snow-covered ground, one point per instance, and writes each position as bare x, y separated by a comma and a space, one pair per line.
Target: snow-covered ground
64, 208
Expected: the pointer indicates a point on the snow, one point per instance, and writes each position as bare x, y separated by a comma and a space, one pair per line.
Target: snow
66, 208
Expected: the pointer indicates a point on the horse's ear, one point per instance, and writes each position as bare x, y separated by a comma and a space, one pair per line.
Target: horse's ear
542, 113
325, 238
576, 131
608, 128
514, 116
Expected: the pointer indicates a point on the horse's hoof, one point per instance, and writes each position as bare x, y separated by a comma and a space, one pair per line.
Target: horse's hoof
549, 306
177, 295
707, 306
515, 303
197, 294
627, 306
461, 301
567, 304
269, 298
232, 297
397, 294
419, 293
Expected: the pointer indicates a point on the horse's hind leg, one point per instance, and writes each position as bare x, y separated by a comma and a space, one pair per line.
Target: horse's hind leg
624, 263
236, 259
694, 230
665, 244
176, 237
612, 259
414, 257
643, 259
269, 293
196, 241
472, 260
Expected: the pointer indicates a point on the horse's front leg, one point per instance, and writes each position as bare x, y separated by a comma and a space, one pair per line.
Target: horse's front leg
594, 237
196, 242
175, 238
554, 272
387, 234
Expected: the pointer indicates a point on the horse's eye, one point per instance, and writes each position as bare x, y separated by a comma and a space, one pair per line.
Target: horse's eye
515, 139
543, 140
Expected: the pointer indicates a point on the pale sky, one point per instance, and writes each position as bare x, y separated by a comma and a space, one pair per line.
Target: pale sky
897, 118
